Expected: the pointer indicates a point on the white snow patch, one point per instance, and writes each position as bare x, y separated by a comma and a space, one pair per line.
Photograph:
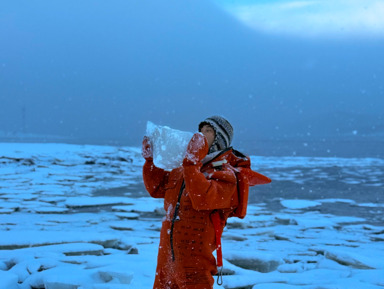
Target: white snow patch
299, 204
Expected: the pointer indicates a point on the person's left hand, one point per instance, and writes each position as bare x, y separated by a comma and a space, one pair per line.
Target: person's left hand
146, 150
197, 149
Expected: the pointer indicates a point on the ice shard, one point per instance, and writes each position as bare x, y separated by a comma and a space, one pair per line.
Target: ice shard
169, 145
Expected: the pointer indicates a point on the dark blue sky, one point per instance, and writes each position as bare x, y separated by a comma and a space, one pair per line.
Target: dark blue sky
98, 70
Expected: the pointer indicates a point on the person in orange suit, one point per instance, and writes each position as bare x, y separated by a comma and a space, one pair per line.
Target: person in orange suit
210, 186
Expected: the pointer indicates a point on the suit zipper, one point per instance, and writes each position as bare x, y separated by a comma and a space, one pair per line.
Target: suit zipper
175, 217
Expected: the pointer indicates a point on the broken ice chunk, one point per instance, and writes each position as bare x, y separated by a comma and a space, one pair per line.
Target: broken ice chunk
169, 145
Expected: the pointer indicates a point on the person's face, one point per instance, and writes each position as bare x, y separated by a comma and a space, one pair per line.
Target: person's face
209, 133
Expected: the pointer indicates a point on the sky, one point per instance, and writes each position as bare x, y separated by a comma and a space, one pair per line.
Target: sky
97, 71
313, 19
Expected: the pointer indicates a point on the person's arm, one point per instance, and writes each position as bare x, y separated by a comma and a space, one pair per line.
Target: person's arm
154, 177
217, 192
253, 177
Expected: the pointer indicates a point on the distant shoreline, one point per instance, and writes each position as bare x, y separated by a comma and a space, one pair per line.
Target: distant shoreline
347, 148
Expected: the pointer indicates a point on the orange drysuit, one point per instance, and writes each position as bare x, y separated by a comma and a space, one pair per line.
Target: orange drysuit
191, 194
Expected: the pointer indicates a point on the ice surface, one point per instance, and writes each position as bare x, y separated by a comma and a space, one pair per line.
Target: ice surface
8, 280
299, 204
76, 202
58, 231
347, 201
257, 261
169, 145
351, 171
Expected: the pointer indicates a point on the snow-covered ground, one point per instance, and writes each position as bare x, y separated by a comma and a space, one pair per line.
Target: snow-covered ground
76, 216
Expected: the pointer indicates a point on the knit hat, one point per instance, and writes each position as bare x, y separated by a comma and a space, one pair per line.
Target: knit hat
223, 130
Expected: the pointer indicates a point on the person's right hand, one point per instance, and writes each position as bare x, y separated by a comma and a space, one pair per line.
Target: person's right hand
197, 149
146, 150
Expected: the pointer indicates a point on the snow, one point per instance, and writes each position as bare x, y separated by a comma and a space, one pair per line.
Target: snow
347, 201
299, 204
169, 145
76, 202
258, 261
74, 216
8, 280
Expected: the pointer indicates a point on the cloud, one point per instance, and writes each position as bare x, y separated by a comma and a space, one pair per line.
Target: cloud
325, 18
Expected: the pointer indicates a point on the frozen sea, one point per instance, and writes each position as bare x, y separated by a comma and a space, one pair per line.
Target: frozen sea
77, 216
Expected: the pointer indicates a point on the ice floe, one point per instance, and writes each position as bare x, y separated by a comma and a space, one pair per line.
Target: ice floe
74, 216
299, 204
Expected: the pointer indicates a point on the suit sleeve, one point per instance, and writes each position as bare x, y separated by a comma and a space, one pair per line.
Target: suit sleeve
155, 179
219, 191
254, 178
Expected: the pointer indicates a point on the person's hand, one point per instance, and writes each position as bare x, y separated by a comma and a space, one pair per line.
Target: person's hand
146, 150
197, 149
